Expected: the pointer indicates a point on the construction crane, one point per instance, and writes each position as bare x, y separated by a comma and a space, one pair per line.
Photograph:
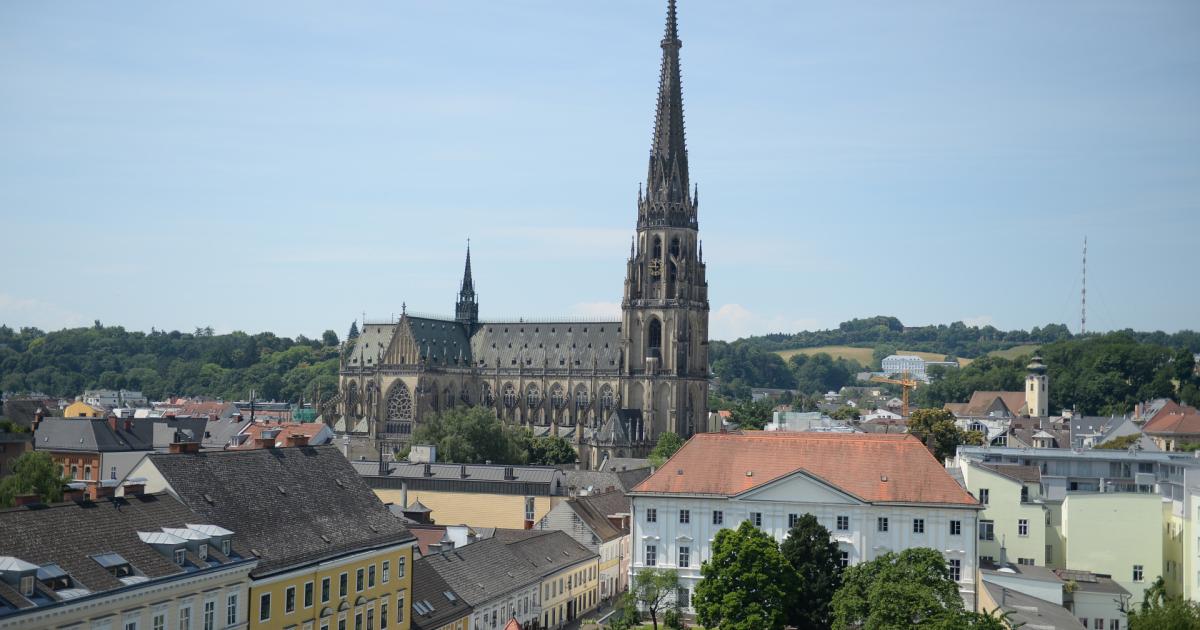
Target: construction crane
905, 384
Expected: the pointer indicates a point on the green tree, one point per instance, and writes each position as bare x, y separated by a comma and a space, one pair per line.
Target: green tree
473, 435
1120, 443
656, 590
626, 614
845, 413
32, 473
817, 562
911, 589
667, 444
1159, 611
748, 584
752, 415
936, 429
329, 338
550, 450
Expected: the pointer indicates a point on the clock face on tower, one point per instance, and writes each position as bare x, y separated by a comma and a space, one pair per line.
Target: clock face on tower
656, 267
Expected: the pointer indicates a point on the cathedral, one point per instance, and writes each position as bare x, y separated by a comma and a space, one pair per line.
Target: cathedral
611, 387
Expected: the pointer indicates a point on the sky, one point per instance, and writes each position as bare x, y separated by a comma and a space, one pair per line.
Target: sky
289, 166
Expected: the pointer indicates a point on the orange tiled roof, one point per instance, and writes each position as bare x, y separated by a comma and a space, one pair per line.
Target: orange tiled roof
253, 431
718, 463
1178, 423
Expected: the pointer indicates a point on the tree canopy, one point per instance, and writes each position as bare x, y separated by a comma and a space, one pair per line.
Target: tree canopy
656, 590
163, 364
936, 429
817, 562
473, 435
748, 584
550, 450
911, 589
667, 444
32, 473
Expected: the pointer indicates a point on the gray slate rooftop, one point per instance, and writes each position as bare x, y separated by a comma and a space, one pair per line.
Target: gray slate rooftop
294, 506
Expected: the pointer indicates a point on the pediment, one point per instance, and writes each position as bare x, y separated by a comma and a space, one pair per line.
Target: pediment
799, 487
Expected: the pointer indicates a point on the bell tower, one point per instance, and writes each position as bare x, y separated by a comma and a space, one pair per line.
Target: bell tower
665, 303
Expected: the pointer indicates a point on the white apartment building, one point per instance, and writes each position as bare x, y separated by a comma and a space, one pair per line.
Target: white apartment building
874, 493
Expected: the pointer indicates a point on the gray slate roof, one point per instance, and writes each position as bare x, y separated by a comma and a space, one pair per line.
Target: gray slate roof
547, 551
372, 341
293, 505
69, 534
551, 344
89, 435
594, 511
429, 587
482, 571
1031, 611
618, 464
542, 480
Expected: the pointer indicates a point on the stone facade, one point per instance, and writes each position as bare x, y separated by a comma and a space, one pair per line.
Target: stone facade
612, 387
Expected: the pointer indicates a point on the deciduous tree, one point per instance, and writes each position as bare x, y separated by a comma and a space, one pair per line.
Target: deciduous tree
667, 444
655, 589
817, 562
748, 584
32, 473
910, 589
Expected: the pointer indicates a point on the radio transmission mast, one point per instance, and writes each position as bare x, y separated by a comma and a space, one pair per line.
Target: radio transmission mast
1083, 293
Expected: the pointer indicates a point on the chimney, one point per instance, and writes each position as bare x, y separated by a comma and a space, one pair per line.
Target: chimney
266, 439
112, 422
38, 416
128, 424
26, 499
462, 471
212, 417
75, 491
508, 473
297, 439
170, 415
428, 472
180, 446
403, 495
103, 489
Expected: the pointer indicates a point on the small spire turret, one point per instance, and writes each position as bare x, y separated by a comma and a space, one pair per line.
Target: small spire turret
466, 311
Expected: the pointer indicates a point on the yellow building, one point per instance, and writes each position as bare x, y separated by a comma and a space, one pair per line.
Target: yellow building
80, 409
569, 573
478, 495
331, 555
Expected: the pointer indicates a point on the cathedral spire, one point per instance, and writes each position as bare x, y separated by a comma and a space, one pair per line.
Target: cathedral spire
466, 311
667, 186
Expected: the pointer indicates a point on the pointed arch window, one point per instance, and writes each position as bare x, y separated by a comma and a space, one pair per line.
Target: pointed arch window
557, 399
606, 398
486, 395
533, 396
509, 395
399, 409
654, 334
353, 404
581, 397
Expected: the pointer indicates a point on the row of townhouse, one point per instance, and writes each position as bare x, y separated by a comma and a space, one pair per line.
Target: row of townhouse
535, 578
1129, 514
875, 493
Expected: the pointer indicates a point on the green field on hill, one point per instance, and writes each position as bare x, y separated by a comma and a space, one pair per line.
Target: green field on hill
1015, 351
862, 355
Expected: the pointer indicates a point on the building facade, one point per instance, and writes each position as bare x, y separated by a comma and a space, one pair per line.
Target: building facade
647, 372
874, 493
331, 555
132, 563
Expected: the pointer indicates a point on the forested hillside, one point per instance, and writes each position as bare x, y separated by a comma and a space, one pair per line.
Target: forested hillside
163, 364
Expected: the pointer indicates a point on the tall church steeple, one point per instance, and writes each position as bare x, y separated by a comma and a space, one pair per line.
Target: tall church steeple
665, 306
667, 201
466, 311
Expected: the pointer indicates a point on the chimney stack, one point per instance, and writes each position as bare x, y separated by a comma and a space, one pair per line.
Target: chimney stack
462, 471
38, 416
508, 473
75, 491
297, 439
103, 489
428, 472
180, 446
128, 424
112, 422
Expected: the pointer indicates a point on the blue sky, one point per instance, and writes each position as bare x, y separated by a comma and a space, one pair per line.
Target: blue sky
286, 166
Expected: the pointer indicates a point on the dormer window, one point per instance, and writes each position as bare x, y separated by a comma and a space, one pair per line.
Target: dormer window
203, 551
225, 547
180, 556
115, 564
27, 586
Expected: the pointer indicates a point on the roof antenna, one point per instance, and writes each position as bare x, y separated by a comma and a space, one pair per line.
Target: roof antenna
1083, 293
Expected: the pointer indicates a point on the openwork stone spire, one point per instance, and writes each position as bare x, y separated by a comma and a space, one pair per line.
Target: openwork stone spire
466, 311
667, 201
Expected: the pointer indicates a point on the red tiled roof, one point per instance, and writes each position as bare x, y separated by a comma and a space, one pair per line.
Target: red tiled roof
253, 431
859, 464
1177, 423
427, 535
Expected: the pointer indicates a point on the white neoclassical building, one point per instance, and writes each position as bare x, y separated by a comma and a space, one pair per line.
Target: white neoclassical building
874, 493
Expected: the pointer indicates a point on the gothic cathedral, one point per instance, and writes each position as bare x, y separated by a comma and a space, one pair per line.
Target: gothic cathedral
610, 387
